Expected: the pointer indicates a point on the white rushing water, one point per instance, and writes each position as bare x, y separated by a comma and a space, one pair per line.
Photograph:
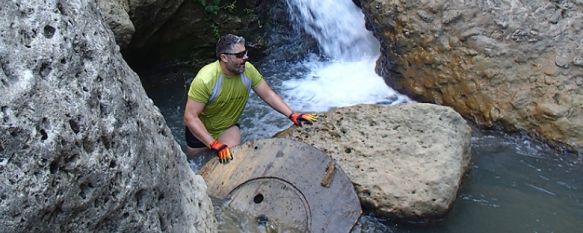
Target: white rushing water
343, 74
347, 76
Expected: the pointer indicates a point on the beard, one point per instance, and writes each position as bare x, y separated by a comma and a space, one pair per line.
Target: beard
237, 68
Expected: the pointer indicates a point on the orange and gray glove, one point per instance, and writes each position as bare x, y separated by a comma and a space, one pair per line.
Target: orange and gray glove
298, 118
222, 151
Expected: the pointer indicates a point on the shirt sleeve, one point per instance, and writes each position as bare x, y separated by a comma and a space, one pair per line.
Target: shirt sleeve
253, 74
199, 91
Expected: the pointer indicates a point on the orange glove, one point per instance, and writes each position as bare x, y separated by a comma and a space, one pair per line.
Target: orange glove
298, 118
223, 151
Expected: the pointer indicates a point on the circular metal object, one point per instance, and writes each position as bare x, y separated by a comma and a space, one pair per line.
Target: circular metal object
273, 200
288, 182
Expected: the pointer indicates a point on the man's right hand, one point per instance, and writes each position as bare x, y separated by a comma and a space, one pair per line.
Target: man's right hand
223, 151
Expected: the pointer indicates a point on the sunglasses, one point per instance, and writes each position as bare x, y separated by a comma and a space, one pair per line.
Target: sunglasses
239, 54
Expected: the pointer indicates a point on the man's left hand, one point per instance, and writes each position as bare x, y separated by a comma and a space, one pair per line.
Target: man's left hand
298, 118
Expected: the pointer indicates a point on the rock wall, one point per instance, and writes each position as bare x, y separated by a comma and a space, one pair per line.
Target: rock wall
136, 21
193, 30
518, 64
161, 32
406, 162
116, 14
82, 147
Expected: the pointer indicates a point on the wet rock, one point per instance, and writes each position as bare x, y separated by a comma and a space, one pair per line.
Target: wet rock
82, 147
405, 161
518, 55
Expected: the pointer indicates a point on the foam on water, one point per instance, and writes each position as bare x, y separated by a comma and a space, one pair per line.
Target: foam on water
338, 84
347, 76
341, 74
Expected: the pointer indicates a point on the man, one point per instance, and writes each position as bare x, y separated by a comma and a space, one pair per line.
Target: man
217, 96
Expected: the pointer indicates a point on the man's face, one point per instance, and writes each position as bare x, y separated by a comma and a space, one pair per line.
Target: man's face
235, 59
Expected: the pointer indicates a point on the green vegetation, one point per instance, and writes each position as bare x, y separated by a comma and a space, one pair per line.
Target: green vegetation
210, 6
231, 7
215, 30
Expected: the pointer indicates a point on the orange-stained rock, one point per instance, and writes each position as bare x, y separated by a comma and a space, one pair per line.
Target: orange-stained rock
494, 64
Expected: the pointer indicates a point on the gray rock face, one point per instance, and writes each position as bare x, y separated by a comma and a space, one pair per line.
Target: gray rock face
513, 63
115, 13
405, 161
82, 148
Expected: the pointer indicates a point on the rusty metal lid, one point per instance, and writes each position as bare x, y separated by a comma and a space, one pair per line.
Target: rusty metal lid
288, 182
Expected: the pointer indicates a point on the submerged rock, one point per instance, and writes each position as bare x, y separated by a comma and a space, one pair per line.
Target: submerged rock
512, 63
82, 147
405, 161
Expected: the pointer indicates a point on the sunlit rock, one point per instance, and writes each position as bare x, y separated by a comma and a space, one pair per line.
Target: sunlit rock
513, 63
405, 161
82, 147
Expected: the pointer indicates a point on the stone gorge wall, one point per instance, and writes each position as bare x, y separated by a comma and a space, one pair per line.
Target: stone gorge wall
191, 33
514, 63
82, 148
157, 32
140, 17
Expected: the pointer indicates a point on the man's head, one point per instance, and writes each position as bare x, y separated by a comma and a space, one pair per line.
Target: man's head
232, 53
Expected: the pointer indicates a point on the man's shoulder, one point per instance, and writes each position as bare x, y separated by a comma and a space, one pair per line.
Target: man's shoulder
252, 73
208, 73
249, 65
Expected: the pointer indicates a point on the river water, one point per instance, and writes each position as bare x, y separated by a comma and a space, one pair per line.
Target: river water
516, 184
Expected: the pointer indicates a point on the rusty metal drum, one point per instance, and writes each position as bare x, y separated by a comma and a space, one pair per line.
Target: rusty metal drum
287, 182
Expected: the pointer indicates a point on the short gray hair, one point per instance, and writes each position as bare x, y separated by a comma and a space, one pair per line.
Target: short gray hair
226, 44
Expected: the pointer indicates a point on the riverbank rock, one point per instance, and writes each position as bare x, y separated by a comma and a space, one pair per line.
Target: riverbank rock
405, 161
518, 64
82, 147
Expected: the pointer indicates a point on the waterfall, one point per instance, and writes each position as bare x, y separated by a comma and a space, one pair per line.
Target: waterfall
338, 26
346, 74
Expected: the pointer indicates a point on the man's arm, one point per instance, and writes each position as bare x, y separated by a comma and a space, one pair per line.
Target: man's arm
264, 91
193, 122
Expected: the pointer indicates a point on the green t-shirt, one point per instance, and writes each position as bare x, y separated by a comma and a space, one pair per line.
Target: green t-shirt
224, 111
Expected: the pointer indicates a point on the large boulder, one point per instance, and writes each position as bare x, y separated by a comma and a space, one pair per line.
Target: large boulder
405, 161
82, 147
518, 64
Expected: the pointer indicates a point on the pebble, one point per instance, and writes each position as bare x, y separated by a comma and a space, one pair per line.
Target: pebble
562, 61
578, 61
